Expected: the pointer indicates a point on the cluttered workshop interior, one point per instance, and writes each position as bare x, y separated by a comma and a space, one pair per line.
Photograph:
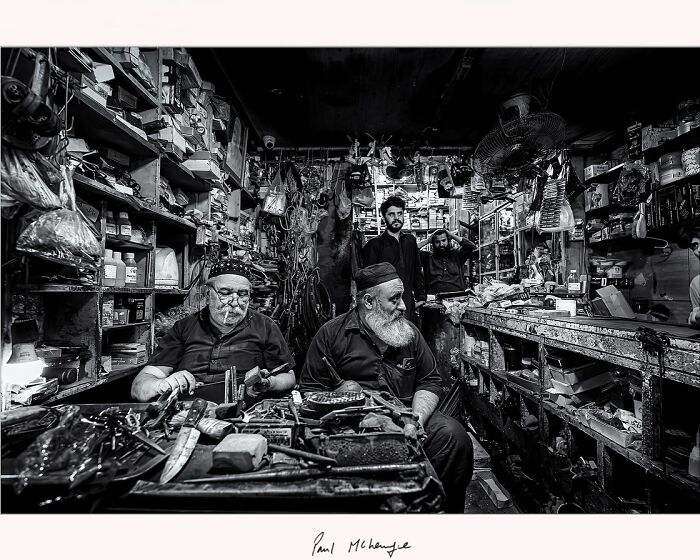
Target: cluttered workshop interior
435, 280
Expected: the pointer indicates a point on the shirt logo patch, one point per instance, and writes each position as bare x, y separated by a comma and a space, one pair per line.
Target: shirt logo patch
408, 363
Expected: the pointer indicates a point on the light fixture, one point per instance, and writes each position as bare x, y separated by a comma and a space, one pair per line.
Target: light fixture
24, 366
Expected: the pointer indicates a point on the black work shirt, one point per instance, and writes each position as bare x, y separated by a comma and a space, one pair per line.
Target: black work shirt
404, 256
358, 355
446, 273
195, 345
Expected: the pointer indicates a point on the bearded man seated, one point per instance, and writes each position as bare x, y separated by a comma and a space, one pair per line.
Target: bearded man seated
376, 346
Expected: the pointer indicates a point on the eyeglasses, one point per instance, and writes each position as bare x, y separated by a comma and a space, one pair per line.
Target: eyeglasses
227, 297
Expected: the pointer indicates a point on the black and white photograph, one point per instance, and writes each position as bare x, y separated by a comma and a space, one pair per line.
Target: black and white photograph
347, 279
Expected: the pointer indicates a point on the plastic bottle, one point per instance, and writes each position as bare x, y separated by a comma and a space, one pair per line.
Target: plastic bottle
109, 277
584, 280
130, 264
573, 285
123, 227
121, 270
110, 225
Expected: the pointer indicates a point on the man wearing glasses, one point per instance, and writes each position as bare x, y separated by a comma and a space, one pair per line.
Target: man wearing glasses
196, 352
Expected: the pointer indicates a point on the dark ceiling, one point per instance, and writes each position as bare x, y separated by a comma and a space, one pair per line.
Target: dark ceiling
443, 97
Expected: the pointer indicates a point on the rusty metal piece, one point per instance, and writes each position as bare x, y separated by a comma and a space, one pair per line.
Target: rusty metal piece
321, 459
300, 474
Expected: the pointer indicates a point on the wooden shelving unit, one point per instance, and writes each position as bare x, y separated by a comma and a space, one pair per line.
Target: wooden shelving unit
76, 316
610, 341
493, 217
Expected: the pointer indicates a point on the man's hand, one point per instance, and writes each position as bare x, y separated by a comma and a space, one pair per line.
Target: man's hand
261, 386
182, 380
420, 304
413, 429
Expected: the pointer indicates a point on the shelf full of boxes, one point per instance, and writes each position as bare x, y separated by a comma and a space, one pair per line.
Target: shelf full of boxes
498, 241
540, 384
425, 211
157, 158
640, 200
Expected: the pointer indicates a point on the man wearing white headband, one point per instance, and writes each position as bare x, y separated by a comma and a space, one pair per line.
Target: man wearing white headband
200, 348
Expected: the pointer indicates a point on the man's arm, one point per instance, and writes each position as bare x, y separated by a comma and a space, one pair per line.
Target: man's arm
428, 382
465, 246
424, 404
424, 242
145, 385
277, 353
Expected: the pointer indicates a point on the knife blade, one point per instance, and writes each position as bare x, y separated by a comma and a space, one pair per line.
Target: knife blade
185, 442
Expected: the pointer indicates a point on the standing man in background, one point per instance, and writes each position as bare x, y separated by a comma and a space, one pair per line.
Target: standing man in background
399, 249
443, 269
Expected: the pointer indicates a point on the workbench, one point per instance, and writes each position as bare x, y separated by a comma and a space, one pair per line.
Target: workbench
491, 390
402, 487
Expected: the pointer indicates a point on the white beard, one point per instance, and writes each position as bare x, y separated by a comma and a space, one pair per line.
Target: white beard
396, 332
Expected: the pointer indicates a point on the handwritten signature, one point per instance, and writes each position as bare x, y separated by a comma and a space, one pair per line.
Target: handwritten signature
322, 547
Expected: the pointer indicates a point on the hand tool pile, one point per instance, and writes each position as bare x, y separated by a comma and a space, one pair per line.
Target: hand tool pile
335, 434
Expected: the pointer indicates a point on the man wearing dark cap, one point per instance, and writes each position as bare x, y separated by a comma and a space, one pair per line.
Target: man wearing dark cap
399, 249
200, 348
375, 346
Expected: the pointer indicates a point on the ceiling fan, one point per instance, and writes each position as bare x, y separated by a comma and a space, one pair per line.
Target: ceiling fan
522, 137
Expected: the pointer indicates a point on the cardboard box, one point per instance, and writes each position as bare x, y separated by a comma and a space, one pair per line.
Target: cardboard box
572, 389
595, 170
621, 437
102, 72
105, 90
568, 305
171, 140
497, 494
201, 164
124, 189
124, 99
615, 302
115, 156
128, 56
95, 96
118, 361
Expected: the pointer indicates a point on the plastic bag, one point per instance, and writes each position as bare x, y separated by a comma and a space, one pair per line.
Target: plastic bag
364, 197
632, 185
62, 233
275, 201
344, 206
66, 448
22, 182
